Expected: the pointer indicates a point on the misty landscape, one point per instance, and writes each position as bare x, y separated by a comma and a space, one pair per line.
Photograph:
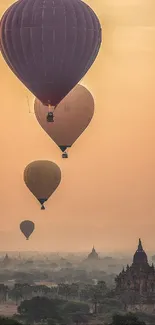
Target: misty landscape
66, 288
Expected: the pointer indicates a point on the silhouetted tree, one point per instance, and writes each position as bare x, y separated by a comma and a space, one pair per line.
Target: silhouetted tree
110, 306
3, 292
8, 321
94, 294
75, 307
79, 318
64, 290
128, 319
40, 309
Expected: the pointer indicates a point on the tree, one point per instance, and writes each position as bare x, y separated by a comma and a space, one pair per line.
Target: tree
16, 294
40, 290
95, 293
40, 309
74, 290
79, 318
3, 292
128, 319
64, 290
111, 306
76, 312
75, 307
8, 321
52, 321
23, 277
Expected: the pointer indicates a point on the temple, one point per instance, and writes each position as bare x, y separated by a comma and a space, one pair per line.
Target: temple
136, 284
93, 255
92, 260
6, 261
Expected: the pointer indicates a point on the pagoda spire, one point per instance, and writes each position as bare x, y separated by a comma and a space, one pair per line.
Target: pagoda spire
140, 247
140, 256
93, 254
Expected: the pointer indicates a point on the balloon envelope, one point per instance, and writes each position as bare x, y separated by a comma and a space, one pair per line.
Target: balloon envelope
42, 177
27, 228
50, 45
71, 117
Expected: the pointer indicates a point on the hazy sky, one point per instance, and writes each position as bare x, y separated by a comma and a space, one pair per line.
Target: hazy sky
107, 193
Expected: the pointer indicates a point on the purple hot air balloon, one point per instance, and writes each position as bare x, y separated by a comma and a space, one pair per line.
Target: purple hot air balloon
50, 45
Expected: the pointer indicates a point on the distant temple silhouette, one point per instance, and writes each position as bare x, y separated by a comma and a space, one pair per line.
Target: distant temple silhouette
6, 261
93, 255
92, 258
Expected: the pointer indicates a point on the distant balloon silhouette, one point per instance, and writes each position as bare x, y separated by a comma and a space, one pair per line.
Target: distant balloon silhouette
42, 177
27, 228
71, 117
50, 45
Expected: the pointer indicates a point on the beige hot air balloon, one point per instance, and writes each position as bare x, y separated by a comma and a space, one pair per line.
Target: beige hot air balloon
27, 227
42, 177
71, 117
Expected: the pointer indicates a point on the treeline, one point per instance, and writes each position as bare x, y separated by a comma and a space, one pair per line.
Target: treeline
68, 304
61, 312
41, 310
56, 276
77, 291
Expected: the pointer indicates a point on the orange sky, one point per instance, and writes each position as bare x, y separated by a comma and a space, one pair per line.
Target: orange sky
107, 193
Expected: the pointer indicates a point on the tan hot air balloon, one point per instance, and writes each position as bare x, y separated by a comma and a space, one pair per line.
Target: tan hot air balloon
71, 117
27, 228
42, 177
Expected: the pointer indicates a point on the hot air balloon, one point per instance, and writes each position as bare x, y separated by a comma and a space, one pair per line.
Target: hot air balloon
42, 177
71, 117
27, 228
50, 45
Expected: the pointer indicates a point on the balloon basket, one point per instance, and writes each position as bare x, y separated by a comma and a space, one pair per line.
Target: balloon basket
64, 155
